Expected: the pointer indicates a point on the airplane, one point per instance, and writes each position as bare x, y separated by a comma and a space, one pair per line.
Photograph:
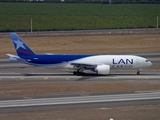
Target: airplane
100, 64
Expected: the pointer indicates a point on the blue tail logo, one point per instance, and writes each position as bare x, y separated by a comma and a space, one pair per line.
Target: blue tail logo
21, 47
19, 44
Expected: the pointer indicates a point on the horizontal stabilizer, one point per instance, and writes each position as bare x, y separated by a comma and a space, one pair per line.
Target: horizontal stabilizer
13, 57
16, 58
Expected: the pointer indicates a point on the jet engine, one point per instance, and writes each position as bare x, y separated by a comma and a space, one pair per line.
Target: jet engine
102, 69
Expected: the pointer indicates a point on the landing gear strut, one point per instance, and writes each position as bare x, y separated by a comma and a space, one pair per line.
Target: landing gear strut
79, 72
138, 72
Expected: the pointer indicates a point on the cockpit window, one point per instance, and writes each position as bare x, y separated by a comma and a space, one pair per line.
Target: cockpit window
147, 60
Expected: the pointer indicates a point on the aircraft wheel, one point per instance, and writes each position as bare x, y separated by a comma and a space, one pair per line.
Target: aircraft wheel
75, 73
138, 73
84, 73
79, 73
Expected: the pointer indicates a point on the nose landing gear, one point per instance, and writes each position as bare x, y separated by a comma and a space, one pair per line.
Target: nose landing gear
138, 72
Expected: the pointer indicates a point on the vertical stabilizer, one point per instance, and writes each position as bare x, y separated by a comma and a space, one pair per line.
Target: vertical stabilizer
21, 47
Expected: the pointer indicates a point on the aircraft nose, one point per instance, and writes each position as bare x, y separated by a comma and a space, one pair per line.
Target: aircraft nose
149, 63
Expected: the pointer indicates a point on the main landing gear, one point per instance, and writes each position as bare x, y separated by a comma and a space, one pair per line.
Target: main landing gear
79, 72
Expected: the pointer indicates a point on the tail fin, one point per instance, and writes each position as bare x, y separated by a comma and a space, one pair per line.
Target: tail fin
21, 47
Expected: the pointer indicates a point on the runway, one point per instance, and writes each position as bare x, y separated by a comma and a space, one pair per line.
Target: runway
79, 100
71, 77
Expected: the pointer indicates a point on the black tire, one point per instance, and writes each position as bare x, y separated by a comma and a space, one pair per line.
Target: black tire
75, 73
138, 73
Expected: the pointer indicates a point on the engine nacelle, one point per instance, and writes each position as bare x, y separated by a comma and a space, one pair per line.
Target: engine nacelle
102, 69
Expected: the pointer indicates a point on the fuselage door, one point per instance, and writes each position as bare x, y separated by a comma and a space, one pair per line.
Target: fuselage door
137, 61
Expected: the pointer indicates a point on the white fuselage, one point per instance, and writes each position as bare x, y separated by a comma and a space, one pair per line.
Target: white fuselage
115, 61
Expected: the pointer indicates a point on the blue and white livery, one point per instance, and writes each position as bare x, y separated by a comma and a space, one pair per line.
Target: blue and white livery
101, 64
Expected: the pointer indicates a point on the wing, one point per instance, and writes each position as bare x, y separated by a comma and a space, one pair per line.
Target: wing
84, 65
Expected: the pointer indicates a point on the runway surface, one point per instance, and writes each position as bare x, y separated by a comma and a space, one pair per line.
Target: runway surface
70, 77
79, 100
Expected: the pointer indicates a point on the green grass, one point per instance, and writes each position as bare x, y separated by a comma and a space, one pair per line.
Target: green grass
51, 16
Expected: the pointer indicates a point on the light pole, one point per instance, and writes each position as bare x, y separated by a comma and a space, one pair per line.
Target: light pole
31, 24
157, 21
